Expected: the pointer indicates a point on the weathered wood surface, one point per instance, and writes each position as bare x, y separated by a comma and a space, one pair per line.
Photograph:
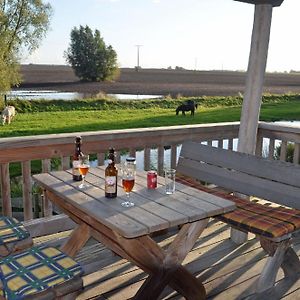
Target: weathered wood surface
272, 180
46, 147
127, 231
255, 78
152, 212
5, 189
57, 145
77, 240
228, 272
247, 174
27, 194
49, 225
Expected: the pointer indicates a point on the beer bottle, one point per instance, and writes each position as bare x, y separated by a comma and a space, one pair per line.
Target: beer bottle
75, 163
111, 176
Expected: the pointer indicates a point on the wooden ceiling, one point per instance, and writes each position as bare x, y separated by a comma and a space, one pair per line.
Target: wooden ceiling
273, 2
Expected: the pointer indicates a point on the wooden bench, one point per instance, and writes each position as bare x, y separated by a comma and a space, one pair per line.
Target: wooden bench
275, 181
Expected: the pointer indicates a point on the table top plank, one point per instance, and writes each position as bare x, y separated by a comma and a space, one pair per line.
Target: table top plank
165, 206
115, 220
223, 204
154, 210
201, 197
146, 201
96, 191
196, 199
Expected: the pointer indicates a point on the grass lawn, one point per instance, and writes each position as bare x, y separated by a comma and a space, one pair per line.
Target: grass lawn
156, 114
77, 121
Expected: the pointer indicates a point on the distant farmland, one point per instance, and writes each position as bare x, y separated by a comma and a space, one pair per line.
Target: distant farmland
155, 82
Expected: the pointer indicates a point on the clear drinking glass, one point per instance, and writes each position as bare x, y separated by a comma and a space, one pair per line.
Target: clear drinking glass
170, 181
128, 178
84, 165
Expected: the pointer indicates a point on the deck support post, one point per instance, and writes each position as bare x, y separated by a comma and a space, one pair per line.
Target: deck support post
254, 87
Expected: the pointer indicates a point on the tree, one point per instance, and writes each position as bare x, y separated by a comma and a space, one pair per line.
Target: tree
23, 23
89, 57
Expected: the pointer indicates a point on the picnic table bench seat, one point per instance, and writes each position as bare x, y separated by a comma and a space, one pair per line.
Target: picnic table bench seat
235, 173
40, 273
267, 221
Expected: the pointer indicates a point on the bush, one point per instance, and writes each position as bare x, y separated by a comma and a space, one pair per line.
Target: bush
289, 157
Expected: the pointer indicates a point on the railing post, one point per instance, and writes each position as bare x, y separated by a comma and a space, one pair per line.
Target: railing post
296, 154
147, 152
259, 145
271, 148
160, 160
100, 159
173, 156
5, 190
27, 190
283, 149
46, 203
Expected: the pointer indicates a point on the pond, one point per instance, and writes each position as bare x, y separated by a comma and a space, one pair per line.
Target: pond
56, 95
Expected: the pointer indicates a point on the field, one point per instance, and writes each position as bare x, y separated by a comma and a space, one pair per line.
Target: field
155, 82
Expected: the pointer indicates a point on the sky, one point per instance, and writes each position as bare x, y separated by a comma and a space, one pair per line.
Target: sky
193, 34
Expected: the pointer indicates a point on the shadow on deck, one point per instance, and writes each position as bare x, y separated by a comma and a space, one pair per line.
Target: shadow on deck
227, 270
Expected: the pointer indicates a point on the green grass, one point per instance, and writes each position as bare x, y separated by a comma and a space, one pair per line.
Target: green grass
76, 121
37, 119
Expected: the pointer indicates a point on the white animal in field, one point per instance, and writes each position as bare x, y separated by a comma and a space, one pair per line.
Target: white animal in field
8, 114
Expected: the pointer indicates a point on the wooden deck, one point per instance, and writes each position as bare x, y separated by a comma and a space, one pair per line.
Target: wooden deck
227, 270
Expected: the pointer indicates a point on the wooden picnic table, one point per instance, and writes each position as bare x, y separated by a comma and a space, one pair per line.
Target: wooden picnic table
128, 231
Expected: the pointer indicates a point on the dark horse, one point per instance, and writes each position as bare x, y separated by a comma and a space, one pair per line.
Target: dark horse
190, 105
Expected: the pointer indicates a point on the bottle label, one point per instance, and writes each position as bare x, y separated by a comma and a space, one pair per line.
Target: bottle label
76, 163
110, 184
75, 169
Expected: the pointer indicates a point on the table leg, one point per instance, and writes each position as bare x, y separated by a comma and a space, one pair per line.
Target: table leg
163, 266
172, 272
77, 240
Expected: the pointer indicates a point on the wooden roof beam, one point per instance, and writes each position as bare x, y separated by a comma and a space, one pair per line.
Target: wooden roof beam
272, 2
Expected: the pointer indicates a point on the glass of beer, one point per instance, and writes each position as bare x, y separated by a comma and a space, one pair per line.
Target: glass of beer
84, 165
128, 178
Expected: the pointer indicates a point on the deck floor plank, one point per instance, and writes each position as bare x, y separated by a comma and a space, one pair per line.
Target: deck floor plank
227, 270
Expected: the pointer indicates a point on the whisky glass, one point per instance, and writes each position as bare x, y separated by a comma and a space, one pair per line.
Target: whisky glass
84, 165
128, 178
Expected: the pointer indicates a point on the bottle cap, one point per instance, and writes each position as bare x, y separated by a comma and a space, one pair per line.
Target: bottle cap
130, 159
78, 139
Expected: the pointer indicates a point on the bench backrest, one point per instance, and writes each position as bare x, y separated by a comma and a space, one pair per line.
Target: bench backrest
239, 172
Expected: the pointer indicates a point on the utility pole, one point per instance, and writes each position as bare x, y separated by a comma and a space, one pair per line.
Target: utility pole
138, 57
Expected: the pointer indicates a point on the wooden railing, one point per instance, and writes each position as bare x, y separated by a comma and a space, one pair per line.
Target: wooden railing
46, 147
272, 135
24, 150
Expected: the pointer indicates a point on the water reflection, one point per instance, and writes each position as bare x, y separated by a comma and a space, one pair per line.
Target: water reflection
56, 95
133, 97
47, 95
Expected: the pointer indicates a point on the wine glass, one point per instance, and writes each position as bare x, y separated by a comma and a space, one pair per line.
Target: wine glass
128, 177
84, 165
